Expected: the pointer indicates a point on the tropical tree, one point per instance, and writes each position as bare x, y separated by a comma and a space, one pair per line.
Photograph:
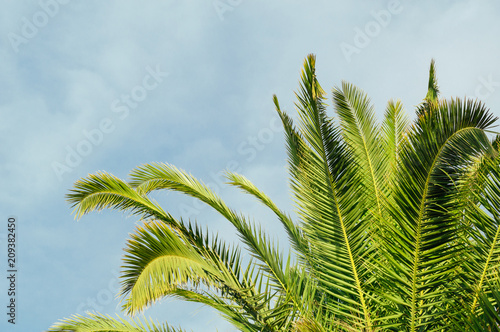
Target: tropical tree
398, 225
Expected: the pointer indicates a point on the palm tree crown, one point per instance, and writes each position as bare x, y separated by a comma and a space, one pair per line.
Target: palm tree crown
398, 225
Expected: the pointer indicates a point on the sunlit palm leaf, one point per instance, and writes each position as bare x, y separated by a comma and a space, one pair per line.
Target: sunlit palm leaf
158, 262
362, 135
483, 260
393, 131
326, 194
102, 190
98, 323
426, 209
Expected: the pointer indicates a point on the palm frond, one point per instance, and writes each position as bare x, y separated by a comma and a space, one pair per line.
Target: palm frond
158, 262
326, 191
439, 145
393, 131
432, 89
361, 133
483, 259
294, 232
103, 190
94, 322
157, 176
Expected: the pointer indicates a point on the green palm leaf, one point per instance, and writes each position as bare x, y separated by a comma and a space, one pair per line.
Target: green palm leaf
361, 133
97, 322
425, 203
483, 261
393, 132
102, 190
326, 194
162, 176
158, 262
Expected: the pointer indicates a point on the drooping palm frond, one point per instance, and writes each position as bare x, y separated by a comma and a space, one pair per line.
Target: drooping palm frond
294, 232
158, 262
98, 322
161, 263
103, 190
158, 176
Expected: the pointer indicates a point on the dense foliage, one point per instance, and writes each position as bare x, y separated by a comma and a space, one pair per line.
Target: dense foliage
398, 225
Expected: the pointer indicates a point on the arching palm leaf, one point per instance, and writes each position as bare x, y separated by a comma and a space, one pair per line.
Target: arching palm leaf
98, 322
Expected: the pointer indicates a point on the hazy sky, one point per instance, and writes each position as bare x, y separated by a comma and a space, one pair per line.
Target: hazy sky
109, 85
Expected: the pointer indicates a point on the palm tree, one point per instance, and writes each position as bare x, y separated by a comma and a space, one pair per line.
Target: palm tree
398, 225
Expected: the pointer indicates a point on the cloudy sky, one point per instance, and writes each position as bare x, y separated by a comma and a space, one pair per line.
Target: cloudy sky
109, 85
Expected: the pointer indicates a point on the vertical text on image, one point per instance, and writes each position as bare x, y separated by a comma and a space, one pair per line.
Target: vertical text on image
11, 270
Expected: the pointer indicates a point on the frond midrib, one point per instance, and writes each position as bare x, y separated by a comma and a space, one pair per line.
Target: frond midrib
369, 159
416, 260
485, 269
344, 232
148, 203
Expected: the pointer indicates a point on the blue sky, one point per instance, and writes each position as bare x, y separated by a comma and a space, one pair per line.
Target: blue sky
95, 85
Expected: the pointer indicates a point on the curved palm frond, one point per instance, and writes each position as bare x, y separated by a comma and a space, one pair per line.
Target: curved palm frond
294, 232
103, 190
425, 203
157, 262
161, 263
98, 322
157, 176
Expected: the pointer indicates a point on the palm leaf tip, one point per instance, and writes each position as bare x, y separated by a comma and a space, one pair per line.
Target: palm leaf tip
433, 89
